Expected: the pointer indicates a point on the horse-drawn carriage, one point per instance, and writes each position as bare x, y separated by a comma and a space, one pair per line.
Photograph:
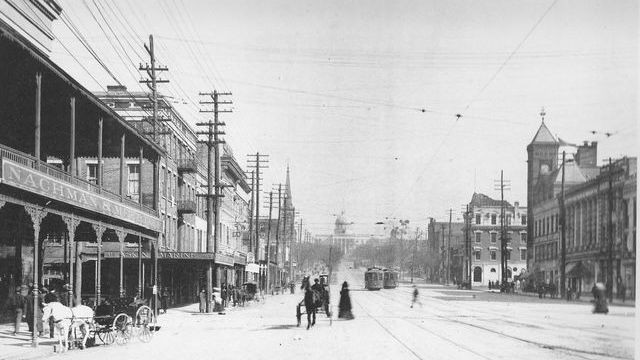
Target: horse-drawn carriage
316, 300
122, 319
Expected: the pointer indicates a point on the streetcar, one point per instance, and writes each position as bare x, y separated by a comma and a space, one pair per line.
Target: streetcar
390, 278
373, 278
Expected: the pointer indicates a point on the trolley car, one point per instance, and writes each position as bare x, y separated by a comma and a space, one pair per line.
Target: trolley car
373, 279
390, 278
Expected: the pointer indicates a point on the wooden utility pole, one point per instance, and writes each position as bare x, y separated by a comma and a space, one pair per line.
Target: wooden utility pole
213, 194
609, 285
503, 230
278, 230
449, 248
563, 234
268, 285
257, 162
444, 249
251, 203
152, 83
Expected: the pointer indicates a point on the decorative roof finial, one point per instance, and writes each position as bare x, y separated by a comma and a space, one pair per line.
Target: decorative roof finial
542, 114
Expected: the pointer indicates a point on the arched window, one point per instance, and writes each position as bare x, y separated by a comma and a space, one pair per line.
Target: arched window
477, 274
493, 270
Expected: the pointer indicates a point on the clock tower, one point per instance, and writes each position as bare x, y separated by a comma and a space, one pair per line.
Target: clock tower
542, 160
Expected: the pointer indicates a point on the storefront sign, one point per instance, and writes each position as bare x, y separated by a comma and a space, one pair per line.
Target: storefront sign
224, 259
125, 254
240, 259
186, 255
25, 178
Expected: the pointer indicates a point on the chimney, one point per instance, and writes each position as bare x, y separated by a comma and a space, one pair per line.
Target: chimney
587, 155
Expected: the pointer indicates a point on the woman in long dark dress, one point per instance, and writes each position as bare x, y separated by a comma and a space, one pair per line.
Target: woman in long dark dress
345, 303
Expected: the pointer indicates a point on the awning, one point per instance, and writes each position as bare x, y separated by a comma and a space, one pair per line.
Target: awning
253, 267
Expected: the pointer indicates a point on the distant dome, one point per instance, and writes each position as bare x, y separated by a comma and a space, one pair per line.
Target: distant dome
341, 224
341, 219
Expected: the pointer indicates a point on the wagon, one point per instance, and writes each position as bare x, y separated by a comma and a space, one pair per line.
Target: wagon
122, 319
323, 304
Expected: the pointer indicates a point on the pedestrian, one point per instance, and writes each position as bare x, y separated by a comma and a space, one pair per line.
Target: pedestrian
623, 292
164, 297
16, 305
223, 294
490, 284
344, 307
31, 314
600, 300
415, 297
203, 301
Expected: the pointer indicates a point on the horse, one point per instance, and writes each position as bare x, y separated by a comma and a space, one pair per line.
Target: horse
62, 318
66, 320
311, 300
82, 320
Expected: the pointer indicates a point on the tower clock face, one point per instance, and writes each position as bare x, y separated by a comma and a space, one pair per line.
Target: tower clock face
545, 169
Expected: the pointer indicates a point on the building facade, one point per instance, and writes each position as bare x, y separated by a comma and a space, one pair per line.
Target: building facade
56, 227
598, 249
485, 232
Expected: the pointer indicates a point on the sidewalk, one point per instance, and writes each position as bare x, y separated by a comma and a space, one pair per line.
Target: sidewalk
585, 298
13, 347
18, 347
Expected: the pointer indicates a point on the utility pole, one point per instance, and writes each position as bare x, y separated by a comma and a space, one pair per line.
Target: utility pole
413, 258
467, 244
268, 285
212, 141
251, 204
503, 231
609, 285
299, 246
278, 229
292, 240
257, 162
284, 231
563, 233
444, 249
152, 83
449, 248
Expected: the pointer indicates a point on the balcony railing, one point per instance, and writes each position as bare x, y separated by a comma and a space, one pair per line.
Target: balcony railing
30, 161
187, 165
186, 206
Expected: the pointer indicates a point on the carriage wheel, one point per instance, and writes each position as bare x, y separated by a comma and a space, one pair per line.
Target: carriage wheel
146, 323
298, 314
107, 336
122, 328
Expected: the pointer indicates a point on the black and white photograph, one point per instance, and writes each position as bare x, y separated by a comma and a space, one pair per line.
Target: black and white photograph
316, 180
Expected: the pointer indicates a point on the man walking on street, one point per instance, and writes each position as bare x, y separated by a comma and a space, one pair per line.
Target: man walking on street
415, 297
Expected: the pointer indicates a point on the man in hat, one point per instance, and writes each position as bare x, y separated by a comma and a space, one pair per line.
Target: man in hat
31, 312
16, 305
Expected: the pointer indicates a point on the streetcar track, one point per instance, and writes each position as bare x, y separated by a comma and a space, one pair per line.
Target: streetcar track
531, 342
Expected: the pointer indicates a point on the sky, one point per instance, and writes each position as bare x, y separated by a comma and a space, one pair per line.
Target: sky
360, 98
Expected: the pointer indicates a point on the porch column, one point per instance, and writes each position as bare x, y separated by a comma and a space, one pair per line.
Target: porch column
123, 138
154, 252
141, 157
72, 139
100, 229
140, 292
121, 235
156, 188
71, 223
78, 285
36, 218
100, 168
38, 111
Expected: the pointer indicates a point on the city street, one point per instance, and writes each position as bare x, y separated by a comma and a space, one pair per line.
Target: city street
449, 324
